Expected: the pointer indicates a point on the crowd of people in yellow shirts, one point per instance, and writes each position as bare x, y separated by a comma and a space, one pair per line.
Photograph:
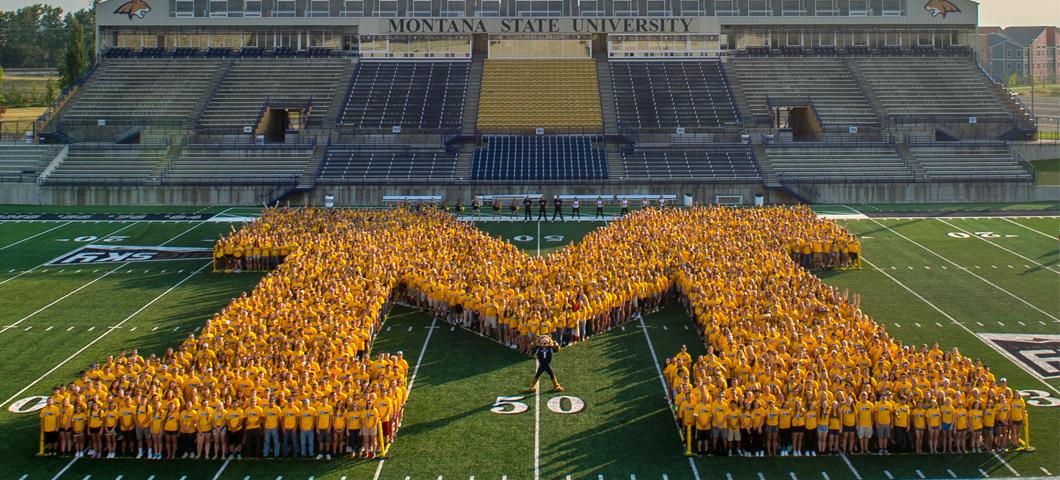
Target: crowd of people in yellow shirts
298, 343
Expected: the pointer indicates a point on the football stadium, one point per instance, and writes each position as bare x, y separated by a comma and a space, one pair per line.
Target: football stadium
530, 239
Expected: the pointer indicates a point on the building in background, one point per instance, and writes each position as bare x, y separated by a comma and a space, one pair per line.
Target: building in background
1025, 52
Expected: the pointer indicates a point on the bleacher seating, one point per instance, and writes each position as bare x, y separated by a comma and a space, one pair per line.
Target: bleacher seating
521, 95
108, 163
701, 162
413, 95
21, 162
250, 164
969, 161
351, 163
281, 82
932, 86
825, 80
148, 90
839, 163
539, 158
666, 95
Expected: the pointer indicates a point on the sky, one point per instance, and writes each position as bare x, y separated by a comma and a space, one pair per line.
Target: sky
991, 12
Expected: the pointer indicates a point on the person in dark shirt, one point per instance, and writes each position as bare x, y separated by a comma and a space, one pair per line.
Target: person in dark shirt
557, 208
542, 205
544, 348
527, 203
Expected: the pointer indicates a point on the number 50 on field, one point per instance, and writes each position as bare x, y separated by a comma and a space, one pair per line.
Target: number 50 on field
562, 404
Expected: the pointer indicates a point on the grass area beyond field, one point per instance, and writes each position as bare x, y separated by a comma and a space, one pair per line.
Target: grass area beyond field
1048, 171
925, 279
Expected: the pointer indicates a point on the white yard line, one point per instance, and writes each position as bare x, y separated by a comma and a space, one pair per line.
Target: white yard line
104, 334
998, 246
846, 460
64, 297
1035, 230
961, 325
969, 272
46, 262
539, 238
412, 381
666, 391
537, 417
222, 469
5, 247
67, 467
181, 234
1005, 464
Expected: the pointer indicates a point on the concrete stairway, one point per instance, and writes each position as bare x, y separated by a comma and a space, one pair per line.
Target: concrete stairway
474, 87
607, 96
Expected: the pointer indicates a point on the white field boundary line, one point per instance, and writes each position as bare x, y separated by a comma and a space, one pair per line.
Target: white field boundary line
31, 237
1035, 230
105, 333
64, 297
47, 261
537, 421
666, 391
948, 217
997, 349
999, 246
539, 238
969, 272
412, 381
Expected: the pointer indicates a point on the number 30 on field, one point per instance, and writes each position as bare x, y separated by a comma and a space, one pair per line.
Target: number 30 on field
513, 406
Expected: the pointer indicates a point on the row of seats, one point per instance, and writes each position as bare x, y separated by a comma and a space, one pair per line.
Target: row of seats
665, 95
717, 163
239, 164
252, 83
412, 95
527, 94
110, 163
539, 158
969, 161
933, 86
148, 90
826, 81
353, 163
21, 162
846, 162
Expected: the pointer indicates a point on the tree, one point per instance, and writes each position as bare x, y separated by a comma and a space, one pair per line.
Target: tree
75, 62
49, 92
1013, 80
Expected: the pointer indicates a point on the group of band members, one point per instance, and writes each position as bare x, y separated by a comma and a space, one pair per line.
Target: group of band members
527, 203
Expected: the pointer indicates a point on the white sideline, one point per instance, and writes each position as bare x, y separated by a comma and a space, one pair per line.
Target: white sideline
969, 272
105, 333
999, 246
959, 324
64, 297
1035, 230
46, 262
412, 380
5, 247
666, 391
537, 417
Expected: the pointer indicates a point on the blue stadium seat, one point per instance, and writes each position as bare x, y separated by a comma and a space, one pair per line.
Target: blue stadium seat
665, 95
708, 162
412, 95
539, 158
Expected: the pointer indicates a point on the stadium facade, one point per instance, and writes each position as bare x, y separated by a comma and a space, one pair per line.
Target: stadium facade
252, 101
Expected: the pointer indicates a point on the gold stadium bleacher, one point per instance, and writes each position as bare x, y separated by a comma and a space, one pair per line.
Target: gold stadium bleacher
527, 94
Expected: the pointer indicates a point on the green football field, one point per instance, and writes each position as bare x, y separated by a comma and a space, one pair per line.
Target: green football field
928, 279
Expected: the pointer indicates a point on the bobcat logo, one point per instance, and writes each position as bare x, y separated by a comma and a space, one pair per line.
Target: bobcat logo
137, 8
941, 7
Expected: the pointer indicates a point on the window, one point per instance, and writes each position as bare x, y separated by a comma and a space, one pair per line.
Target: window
726, 8
793, 39
626, 8
538, 8
692, 8
419, 8
659, 8
591, 8
284, 8
859, 39
353, 8
386, 8
252, 8
858, 8
892, 8
453, 8
218, 8
825, 8
792, 8
759, 7
924, 39
184, 8
826, 39
892, 39
318, 8
489, 8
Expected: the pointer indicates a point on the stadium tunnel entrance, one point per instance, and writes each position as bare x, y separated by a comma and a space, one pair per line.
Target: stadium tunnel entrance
801, 120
